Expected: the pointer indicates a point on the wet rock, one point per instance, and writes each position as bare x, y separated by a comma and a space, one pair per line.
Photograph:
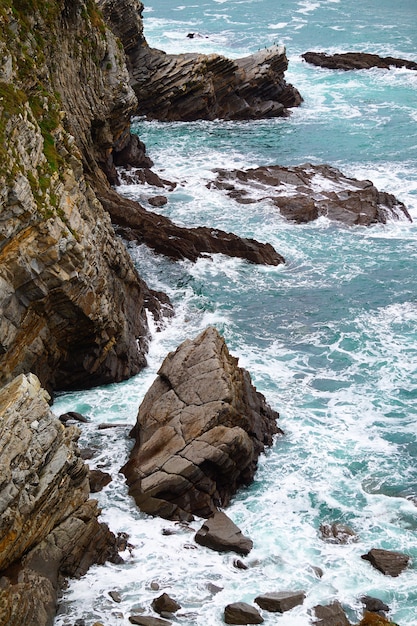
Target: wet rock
157, 201
88, 453
239, 564
386, 561
242, 613
330, 615
115, 596
305, 192
165, 604
148, 620
214, 588
221, 534
280, 601
73, 416
355, 61
98, 480
338, 533
109, 426
199, 432
374, 605
154, 585
122, 541
317, 571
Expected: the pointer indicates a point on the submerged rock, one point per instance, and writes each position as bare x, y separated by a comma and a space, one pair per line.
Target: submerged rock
305, 192
199, 432
386, 561
221, 534
338, 533
355, 61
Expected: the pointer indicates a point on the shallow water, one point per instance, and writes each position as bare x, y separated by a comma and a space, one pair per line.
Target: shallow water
329, 338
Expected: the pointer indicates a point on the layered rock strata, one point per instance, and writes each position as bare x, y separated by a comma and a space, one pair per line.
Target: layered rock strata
305, 192
356, 61
199, 86
199, 432
48, 526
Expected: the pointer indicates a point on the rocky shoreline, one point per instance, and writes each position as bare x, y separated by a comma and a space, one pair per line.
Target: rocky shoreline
74, 308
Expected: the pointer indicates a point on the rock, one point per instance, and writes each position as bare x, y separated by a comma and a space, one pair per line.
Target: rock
157, 201
109, 426
199, 432
330, 615
214, 588
221, 534
88, 453
98, 480
115, 596
372, 619
148, 620
154, 585
199, 86
49, 528
242, 613
305, 192
177, 242
386, 561
280, 601
73, 416
374, 605
355, 61
338, 533
165, 604
239, 564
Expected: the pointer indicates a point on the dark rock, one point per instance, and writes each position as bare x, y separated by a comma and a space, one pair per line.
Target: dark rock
133, 154
280, 601
221, 534
148, 620
108, 426
88, 453
374, 605
98, 480
338, 533
355, 61
386, 561
300, 195
199, 432
239, 564
317, 571
157, 201
73, 416
214, 588
242, 613
115, 596
330, 615
177, 242
165, 604
122, 541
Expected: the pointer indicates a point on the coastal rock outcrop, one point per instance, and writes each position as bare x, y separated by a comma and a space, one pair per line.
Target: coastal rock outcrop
199, 432
48, 526
196, 86
303, 193
355, 61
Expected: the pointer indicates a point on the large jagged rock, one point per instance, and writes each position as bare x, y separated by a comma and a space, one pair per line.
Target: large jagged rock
199, 86
221, 534
356, 61
48, 527
388, 562
199, 432
303, 193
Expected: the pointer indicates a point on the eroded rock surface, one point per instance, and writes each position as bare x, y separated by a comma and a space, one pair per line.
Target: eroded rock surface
48, 527
199, 86
199, 432
356, 61
305, 192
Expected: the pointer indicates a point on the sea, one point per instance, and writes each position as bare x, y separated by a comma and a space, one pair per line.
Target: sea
330, 338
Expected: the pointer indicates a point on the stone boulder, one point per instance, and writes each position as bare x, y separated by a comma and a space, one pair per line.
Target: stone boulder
337, 533
221, 534
303, 193
280, 601
148, 620
48, 527
375, 605
165, 604
356, 61
330, 615
386, 561
199, 432
242, 613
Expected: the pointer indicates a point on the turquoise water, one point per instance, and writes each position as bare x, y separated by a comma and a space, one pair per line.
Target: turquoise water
330, 338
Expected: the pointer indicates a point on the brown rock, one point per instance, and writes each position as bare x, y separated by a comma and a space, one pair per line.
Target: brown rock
199, 432
148, 620
330, 615
242, 613
221, 534
305, 192
98, 479
280, 601
386, 561
165, 604
338, 533
356, 61
157, 201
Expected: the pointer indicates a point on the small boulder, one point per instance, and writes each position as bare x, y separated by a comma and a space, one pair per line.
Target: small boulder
98, 480
374, 605
165, 604
330, 615
386, 561
338, 533
73, 416
115, 596
221, 534
280, 601
157, 201
242, 613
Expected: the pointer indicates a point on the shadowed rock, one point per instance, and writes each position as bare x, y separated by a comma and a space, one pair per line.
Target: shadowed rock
199, 432
165, 604
386, 561
280, 601
305, 192
356, 61
242, 613
221, 534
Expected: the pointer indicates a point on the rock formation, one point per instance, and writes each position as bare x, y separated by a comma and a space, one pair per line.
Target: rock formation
305, 192
242, 613
199, 432
221, 534
198, 86
280, 601
356, 61
330, 615
48, 527
388, 562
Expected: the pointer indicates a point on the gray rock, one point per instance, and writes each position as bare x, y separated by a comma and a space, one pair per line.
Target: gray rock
386, 561
115, 596
280, 601
221, 534
242, 613
148, 620
338, 533
374, 605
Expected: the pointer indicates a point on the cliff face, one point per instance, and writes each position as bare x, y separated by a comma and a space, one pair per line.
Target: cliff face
71, 302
